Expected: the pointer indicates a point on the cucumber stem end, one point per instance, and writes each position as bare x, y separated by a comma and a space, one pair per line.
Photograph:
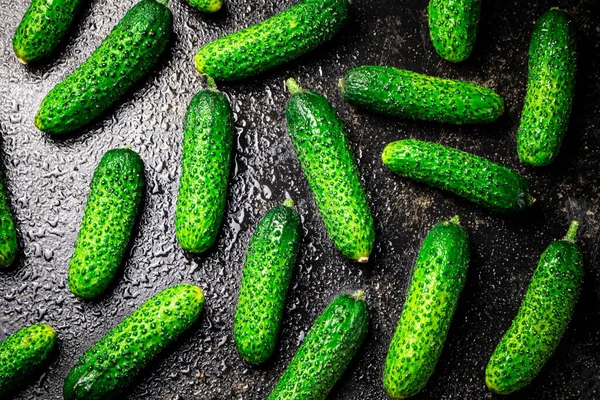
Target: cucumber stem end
455, 220
363, 259
288, 203
359, 295
292, 86
572, 232
212, 85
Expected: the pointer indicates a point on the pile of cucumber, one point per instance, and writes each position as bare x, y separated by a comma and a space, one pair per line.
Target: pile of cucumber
317, 134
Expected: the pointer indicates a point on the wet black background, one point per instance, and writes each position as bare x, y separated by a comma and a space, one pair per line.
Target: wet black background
48, 182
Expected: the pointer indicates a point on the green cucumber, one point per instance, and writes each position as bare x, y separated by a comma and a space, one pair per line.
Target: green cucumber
22, 354
205, 163
438, 278
8, 233
326, 351
127, 54
207, 6
542, 318
550, 89
474, 178
43, 27
113, 363
279, 39
453, 27
110, 214
324, 152
267, 274
403, 93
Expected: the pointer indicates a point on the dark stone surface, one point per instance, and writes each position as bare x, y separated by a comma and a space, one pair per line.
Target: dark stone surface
48, 181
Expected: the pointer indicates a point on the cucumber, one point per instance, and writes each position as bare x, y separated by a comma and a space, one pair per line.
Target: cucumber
22, 354
113, 363
207, 6
267, 274
205, 163
438, 278
8, 232
43, 27
474, 178
403, 93
542, 318
110, 214
550, 89
127, 54
324, 152
326, 351
453, 27
279, 39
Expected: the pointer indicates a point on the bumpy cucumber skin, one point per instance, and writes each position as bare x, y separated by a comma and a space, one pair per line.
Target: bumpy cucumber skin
8, 232
128, 53
403, 93
205, 163
474, 178
324, 152
453, 27
281, 38
437, 281
23, 353
541, 320
43, 27
207, 6
550, 89
326, 351
267, 274
110, 214
112, 364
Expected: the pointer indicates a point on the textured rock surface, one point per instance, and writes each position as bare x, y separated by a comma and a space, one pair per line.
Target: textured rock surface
48, 181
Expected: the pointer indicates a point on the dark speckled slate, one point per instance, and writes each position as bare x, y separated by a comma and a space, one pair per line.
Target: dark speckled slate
48, 182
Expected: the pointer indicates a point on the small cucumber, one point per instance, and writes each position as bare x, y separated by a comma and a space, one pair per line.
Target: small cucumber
8, 232
453, 27
43, 27
207, 6
438, 278
22, 354
267, 274
402, 93
324, 152
474, 178
110, 214
542, 318
326, 351
279, 39
128, 53
113, 363
550, 89
205, 163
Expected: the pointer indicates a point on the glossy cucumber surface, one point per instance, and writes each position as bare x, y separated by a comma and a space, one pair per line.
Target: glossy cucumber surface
108, 221
542, 318
550, 89
320, 142
453, 27
326, 351
43, 27
408, 94
113, 363
474, 178
127, 54
265, 282
9, 246
205, 164
281, 38
437, 280
22, 354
